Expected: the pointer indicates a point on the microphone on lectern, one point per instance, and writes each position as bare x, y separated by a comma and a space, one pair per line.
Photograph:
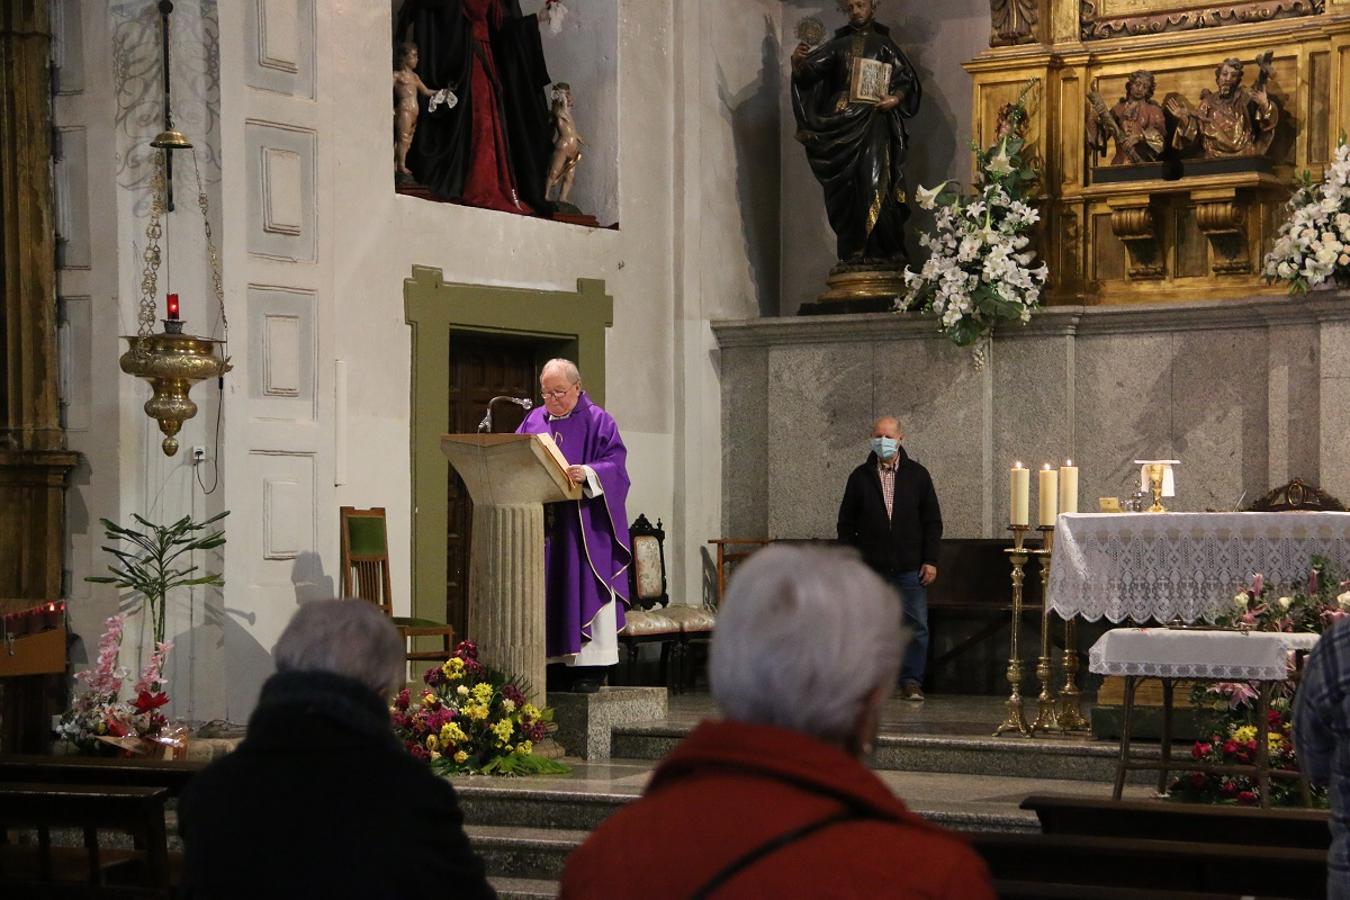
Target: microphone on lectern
486, 425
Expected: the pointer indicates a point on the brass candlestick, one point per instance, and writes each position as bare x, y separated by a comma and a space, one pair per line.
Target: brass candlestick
1047, 718
1071, 716
1018, 555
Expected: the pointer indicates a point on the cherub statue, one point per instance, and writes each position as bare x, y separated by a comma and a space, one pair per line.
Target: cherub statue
1136, 123
1232, 121
566, 145
407, 85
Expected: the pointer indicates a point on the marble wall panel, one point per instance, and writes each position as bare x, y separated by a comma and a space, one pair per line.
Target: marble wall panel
282, 359
1219, 417
943, 404
745, 438
1122, 393
1335, 437
72, 198
1293, 403
820, 404
1033, 407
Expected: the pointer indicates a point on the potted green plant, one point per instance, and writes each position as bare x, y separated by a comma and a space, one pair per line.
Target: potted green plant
150, 565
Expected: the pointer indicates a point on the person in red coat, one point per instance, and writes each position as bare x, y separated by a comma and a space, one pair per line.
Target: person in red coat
773, 800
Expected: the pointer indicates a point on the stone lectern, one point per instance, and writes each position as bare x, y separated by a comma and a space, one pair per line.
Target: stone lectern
510, 477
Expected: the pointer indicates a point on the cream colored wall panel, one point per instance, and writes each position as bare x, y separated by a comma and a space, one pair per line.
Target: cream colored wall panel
67, 46
287, 526
72, 198
283, 206
280, 47
282, 353
76, 331
282, 218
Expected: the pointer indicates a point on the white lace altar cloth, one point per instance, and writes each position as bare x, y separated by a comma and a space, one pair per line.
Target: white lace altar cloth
1178, 653
1161, 566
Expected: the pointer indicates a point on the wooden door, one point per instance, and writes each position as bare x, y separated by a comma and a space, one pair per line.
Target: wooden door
481, 367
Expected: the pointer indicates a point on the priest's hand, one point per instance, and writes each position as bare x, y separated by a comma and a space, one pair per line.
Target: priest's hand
577, 474
927, 574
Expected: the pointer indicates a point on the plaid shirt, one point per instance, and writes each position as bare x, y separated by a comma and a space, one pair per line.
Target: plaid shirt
887, 474
1322, 739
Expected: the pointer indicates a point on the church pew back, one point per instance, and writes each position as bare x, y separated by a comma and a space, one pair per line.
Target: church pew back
1161, 820
1143, 864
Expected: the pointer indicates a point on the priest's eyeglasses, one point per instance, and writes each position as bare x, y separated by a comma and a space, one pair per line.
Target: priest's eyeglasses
556, 395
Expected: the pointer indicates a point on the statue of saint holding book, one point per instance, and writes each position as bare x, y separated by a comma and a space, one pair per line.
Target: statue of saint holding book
851, 95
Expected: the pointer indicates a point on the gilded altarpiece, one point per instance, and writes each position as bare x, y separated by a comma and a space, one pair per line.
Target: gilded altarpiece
1189, 232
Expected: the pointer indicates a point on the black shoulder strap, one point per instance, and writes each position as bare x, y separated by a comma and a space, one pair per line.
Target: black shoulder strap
746, 860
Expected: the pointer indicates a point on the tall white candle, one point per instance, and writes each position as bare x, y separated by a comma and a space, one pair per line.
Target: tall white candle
1048, 488
1019, 502
1068, 487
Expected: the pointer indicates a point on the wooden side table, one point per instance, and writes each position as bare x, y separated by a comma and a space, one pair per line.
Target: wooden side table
1171, 655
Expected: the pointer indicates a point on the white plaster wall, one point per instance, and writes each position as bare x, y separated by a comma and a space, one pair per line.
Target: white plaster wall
109, 93
936, 43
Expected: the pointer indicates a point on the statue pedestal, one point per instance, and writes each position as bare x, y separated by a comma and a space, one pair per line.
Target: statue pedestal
857, 289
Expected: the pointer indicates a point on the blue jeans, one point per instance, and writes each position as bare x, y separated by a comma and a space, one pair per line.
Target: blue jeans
914, 603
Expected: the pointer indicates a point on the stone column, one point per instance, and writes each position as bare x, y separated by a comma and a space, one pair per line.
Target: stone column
506, 590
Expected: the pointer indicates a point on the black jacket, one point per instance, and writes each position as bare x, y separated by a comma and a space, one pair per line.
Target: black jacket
910, 539
321, 800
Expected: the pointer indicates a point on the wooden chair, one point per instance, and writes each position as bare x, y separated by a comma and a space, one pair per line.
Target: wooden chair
365, 575
675, 626
730, 551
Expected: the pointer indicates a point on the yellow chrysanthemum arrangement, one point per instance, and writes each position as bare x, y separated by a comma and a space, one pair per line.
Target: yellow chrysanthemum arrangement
470, 720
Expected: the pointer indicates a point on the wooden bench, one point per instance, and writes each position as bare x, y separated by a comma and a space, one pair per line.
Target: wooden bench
1092, 862
172, 775
47, 871
1162, 820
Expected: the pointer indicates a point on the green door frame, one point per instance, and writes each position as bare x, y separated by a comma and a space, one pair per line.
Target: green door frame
577, 320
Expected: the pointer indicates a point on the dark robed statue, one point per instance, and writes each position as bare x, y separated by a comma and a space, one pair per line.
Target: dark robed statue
851, 96
492, 149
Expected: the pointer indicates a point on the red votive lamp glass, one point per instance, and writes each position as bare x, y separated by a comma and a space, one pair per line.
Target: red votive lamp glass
51, 615
173, 307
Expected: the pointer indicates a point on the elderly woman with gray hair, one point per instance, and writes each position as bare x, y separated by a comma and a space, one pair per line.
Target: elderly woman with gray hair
774, 800
320, 799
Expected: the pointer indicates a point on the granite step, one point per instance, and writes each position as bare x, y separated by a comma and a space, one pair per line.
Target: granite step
512, 851
524, 888
1070, 758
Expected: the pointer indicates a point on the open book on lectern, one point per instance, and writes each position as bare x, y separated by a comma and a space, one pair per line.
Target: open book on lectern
511, 468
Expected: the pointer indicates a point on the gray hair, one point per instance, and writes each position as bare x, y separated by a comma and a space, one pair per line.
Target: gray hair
346, 637
566, 366
804, 636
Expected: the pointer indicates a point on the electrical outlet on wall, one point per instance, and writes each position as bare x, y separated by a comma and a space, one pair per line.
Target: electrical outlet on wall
198, 455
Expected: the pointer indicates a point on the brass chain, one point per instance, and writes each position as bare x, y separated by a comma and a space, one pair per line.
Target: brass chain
154, 230
211, 252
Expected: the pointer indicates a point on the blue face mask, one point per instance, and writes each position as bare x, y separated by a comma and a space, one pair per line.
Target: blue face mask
885, 447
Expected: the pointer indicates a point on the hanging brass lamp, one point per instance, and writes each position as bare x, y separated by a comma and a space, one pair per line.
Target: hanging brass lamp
171, 361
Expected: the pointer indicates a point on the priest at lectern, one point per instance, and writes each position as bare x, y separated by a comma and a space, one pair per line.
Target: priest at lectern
586, 553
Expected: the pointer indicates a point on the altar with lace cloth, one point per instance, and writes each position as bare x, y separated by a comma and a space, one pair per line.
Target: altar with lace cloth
1139, 567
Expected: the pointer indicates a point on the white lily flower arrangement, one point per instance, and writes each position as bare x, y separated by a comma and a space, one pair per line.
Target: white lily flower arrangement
1313, 244
979, 270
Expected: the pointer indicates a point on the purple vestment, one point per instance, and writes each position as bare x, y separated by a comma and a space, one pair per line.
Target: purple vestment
586, 552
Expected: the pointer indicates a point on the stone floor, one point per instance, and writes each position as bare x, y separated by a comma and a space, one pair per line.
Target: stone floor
939, 757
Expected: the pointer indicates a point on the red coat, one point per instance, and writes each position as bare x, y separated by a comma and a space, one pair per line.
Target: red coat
731, 787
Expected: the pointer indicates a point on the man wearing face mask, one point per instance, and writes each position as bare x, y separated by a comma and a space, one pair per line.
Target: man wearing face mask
890, 513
